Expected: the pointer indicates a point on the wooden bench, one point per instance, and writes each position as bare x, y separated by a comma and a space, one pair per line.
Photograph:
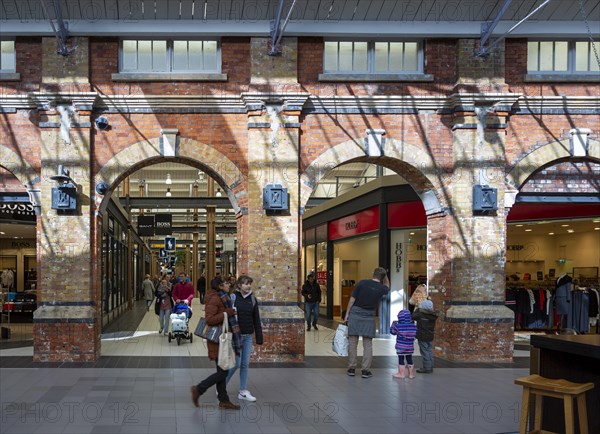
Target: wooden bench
561, 389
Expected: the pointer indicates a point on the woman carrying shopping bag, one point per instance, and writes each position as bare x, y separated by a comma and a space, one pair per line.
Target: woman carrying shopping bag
218, 303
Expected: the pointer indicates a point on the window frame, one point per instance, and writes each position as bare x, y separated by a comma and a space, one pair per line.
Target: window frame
371, 57
10, 71
170, 58
571, 59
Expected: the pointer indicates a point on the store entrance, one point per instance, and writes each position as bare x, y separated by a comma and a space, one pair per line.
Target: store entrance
18, 263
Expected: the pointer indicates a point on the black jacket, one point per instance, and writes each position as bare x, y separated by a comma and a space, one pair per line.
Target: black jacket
425, 319
248, 316
314, 290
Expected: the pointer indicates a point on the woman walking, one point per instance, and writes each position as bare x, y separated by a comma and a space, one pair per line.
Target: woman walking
218, 302
246, 306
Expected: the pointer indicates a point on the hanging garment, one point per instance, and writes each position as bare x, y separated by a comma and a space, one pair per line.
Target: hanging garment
579, 318
562, 296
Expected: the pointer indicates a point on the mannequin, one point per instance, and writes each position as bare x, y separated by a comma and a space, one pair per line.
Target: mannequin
562, 299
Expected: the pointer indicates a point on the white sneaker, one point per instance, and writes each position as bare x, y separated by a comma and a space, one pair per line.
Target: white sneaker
246, 395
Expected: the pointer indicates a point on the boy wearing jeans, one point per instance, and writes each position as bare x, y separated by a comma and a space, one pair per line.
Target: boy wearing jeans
425, 317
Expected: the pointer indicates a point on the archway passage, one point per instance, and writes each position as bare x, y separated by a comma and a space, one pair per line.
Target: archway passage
162, 221
369, 213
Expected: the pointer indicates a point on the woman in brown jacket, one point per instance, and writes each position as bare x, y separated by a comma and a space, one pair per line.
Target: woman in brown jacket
214, 316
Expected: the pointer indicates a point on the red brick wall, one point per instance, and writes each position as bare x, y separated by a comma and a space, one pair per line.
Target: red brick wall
224, 132
440, 60
525, 133
19, 132
476, 342
579, 177
66, 342
283, 342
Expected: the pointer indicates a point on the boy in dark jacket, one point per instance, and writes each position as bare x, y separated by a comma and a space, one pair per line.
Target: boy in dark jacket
311, 291
425, 317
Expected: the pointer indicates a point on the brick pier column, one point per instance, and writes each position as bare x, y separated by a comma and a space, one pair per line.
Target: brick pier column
469, 268
66, 326
271, 245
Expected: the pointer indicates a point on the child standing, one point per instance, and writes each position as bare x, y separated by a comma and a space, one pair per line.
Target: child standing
405, 331
425, 317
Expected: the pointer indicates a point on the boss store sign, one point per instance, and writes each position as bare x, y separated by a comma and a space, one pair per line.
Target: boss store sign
159, 224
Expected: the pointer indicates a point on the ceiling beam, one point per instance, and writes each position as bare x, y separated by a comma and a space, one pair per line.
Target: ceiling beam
485, 51
175, 202
166, 28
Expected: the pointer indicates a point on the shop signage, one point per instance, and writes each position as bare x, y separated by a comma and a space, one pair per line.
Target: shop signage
322, 277
355, 224
398, 252
145, 225
163, 224
162, 253
19, 211
25, 243
170, 244
515, 247
406, 215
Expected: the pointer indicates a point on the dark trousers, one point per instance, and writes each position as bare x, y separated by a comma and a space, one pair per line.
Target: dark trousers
219, 378
201, 293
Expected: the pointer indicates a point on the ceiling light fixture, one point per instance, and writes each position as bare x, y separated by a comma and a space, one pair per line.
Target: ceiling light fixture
218, 194
168, 180
168, 192
564, 226
570, 231
519, 226
550, 233
528, 230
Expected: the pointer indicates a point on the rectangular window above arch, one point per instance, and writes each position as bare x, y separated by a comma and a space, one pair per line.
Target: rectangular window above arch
373, 60
169, 59
8, 61
562, 61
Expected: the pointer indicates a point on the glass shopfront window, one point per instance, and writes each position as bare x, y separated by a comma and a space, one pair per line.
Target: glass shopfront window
30, 272
113, 262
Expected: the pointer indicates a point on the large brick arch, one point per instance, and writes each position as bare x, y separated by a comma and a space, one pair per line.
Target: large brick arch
192, 152
544, 156
16, 165
411, 162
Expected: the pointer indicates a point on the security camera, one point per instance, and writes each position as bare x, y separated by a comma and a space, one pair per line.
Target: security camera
102, 123
102, 187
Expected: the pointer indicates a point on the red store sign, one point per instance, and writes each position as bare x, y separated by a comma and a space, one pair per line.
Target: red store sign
355, 224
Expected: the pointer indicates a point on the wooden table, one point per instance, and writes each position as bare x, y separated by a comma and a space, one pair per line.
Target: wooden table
574, 358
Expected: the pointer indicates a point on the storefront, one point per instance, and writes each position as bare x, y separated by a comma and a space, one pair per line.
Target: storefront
544, 241
122, 267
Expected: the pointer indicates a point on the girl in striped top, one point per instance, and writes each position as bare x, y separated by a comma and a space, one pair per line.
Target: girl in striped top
405, 331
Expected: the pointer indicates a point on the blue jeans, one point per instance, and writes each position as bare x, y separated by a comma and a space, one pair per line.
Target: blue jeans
312, 309
243, 361
163, 320
426, 352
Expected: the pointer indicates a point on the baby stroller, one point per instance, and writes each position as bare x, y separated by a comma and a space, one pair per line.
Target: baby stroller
179, 323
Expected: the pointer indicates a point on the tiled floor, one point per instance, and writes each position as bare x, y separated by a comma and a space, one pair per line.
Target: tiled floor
141, 385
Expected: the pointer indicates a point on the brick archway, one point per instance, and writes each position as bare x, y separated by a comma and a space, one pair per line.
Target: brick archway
544, 156
411, 162
17, 165
191, 152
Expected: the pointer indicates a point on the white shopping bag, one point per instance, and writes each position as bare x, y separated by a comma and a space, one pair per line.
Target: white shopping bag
340, 341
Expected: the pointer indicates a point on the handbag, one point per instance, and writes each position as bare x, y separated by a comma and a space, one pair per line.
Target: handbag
340, 341
208, 332
226, 358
